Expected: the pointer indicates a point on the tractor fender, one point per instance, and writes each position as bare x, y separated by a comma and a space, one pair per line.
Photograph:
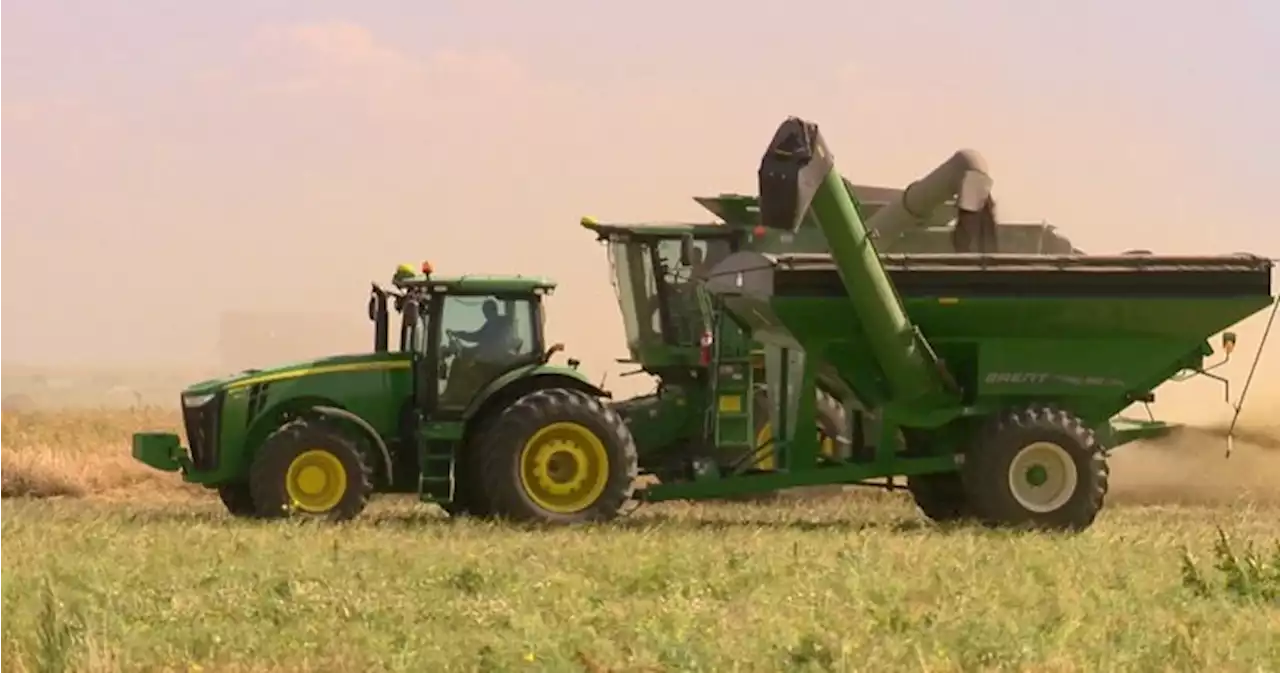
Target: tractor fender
506, 388
370, 433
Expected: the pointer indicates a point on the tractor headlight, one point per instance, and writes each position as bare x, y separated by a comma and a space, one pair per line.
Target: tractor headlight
191, 401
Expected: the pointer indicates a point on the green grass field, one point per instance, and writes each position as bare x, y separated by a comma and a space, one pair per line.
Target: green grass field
125, 571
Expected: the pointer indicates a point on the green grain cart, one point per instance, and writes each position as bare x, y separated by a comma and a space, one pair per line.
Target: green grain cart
991, 379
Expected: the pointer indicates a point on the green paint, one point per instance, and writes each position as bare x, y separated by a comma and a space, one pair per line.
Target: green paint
939, 363
245, 408
1037, 475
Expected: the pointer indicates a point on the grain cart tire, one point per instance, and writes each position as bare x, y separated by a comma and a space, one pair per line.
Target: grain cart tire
1038, 467
312, 468
940, 497
558, 456
238, 499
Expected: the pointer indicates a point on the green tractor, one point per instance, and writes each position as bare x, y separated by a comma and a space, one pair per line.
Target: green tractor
467, 411
656, 270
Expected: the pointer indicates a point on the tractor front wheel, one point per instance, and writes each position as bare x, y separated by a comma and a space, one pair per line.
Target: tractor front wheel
558, 456
311, 468
1038, 467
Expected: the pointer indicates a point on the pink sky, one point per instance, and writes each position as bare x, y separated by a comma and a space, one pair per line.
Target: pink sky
168, 162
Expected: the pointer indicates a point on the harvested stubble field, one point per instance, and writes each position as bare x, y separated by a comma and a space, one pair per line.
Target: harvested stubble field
112, 567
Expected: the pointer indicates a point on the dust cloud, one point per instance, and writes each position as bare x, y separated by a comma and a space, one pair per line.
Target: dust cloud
1190, 466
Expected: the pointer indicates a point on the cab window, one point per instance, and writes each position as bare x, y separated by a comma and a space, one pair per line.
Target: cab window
480, 337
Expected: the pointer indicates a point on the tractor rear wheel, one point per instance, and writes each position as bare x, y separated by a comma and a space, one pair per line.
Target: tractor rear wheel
940, 497
312, 468
237, 499
1038, 467
558, 456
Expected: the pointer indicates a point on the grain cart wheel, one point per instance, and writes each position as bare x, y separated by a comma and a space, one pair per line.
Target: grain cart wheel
311, 468
237, 499
558, 456
940, 497
1040, 467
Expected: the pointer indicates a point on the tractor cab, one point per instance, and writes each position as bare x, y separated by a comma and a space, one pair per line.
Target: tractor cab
463, 332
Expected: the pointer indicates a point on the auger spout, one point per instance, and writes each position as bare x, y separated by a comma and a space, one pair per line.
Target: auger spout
797, 179
963, 176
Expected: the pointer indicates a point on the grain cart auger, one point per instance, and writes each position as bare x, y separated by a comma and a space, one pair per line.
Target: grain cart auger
994, 378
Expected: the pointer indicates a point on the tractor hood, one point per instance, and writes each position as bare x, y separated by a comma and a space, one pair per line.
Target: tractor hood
292, 370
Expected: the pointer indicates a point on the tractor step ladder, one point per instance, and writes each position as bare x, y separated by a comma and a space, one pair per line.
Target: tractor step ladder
435, 476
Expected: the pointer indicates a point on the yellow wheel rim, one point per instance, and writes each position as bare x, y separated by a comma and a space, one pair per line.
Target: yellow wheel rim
764, 440
316, 481
564, 468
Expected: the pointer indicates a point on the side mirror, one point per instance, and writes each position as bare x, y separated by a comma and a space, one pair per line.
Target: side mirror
687, 251
1228, 342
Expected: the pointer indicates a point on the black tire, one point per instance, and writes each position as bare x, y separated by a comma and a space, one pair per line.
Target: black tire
940, 497
1071, 447
269, 474
468, 490
503, 446
237, 499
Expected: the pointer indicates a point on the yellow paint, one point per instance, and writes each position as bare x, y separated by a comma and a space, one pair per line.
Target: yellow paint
764, 440
316, 481
730, 404
322, 369
564, 468
587, 221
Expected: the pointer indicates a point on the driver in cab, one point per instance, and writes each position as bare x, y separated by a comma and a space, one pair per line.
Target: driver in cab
493, 339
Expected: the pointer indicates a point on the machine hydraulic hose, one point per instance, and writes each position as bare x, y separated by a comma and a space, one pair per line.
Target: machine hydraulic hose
963, 176
797, 177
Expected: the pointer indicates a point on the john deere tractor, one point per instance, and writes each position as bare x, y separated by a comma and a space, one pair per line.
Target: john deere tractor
465, 410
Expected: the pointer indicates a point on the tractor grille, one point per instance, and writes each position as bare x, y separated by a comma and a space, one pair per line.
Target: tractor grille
202, 432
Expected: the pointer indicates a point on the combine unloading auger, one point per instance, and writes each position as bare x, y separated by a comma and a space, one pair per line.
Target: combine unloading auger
963, 177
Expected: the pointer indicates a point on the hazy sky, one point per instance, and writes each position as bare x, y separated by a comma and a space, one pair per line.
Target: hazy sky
166, 161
